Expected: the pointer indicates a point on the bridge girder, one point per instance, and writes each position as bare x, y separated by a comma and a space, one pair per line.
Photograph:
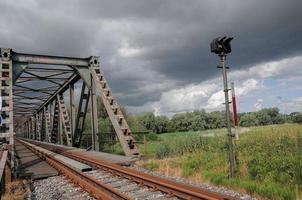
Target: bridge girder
39, 81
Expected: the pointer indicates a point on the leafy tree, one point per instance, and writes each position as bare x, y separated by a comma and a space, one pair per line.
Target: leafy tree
215, 120
147, 120
297, 118
199, 122
263, 118
272, 112
248, 119
135, 124
161, 124
180, 122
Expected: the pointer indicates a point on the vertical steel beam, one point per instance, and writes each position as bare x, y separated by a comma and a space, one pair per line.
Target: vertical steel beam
50, 112
65, 120
31, 128
94, 117
27, 129
72, 110
42, 125
47, 125
38, 127
82, 110
60, 123
55, 124
35, 128
22, 132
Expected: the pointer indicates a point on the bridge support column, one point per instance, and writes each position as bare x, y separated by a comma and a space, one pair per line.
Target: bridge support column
72, 112
38, 127
27, 128
47, 125
80, 118
94, 118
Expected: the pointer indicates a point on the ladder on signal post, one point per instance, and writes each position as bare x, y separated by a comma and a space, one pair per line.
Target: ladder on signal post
114, 111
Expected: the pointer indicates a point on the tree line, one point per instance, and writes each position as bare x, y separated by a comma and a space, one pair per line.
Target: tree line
196, 121
202, 120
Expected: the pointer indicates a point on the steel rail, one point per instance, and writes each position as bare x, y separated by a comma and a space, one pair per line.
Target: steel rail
171, 188
93, 186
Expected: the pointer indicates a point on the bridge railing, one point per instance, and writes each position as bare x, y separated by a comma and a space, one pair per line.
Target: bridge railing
5, 171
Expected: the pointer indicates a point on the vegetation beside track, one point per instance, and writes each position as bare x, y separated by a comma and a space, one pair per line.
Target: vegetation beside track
270, 159
16, 190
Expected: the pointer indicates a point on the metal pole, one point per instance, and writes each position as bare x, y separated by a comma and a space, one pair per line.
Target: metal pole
235, 111
227, 108
36, 125
28, 129
60, 140
72, 111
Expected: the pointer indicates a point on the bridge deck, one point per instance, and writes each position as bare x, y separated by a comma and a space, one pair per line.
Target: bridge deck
111, 158
30, 165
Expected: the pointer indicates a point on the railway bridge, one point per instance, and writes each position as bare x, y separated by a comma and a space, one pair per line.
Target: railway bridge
44, 102
35, 90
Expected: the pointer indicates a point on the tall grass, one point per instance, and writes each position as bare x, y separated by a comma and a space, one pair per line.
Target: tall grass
270, 159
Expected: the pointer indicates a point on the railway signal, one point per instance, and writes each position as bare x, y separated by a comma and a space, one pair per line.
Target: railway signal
222, 47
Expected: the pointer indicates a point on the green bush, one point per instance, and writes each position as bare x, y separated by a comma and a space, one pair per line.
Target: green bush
163, 151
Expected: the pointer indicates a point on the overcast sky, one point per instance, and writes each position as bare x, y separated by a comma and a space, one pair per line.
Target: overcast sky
156, 54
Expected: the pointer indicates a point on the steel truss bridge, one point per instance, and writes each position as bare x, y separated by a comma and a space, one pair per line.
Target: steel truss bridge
36, 91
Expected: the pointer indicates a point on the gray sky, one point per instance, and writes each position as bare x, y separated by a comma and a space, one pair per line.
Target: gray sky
156, 54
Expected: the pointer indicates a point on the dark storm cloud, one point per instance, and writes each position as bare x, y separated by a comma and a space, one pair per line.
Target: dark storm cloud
173, 37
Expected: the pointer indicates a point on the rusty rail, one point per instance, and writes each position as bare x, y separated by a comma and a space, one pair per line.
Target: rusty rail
5, 171
94, 187
171, 188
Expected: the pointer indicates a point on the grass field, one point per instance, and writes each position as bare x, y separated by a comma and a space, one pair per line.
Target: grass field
269, 159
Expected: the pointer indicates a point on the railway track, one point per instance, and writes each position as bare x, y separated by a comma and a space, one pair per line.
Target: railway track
111, 181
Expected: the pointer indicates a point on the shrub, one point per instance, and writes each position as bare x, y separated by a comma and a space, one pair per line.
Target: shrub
163, 151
